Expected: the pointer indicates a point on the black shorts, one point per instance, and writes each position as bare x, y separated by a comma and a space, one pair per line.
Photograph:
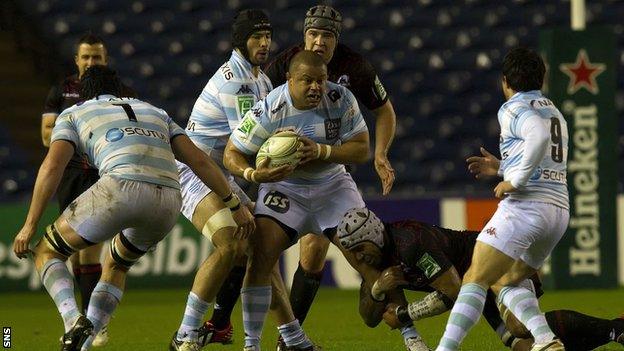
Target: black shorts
74, 182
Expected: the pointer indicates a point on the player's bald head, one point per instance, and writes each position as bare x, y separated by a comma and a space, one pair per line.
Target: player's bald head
306, 58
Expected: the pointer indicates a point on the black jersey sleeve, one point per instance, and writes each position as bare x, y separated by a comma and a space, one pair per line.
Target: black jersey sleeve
54, 101
366, 85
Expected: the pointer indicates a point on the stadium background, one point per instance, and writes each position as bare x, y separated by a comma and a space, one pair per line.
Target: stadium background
439, 60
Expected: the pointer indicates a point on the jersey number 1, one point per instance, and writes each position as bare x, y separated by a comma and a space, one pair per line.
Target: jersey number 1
556, 151
129, 111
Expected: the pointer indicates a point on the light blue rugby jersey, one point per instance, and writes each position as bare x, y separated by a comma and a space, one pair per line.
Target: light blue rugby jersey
537, 171
335, 120
229, 94
124, 138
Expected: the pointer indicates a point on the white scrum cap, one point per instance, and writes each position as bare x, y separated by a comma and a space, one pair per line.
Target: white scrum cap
359, 225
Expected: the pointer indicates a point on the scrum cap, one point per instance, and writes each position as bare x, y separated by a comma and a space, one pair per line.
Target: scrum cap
323, 17
359, 225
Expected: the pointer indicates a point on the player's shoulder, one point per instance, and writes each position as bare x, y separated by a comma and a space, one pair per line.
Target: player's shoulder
68, 86
232, 78
287, 54
228, 72
514, 107
140, 104
275, 102
338, 94
345, 53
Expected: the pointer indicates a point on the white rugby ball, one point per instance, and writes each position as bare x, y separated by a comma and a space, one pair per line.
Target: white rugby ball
281, 148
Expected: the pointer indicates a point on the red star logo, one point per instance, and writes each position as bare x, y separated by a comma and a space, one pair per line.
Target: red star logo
582, 73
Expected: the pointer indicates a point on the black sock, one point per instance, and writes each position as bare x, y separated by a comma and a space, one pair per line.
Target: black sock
578, 331
303, 290
227, 297
89, 276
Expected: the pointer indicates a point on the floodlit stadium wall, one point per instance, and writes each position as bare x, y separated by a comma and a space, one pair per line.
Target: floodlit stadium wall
176, 259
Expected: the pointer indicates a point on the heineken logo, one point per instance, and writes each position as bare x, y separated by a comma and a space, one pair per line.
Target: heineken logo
585, 179
582, 73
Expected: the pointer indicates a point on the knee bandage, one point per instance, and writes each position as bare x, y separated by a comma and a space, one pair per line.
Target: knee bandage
124, 260
55, 242
221, 219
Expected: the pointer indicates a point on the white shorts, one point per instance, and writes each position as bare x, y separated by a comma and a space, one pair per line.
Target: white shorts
194, 190
526, 230
145, 212
309, 208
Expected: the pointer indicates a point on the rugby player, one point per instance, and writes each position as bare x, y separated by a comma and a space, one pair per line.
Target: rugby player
311, 199
132, 144
233, 89
534, 213
414, 255
321, 32
79, 174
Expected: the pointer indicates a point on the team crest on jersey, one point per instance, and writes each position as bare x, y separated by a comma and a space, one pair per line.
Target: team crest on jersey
244, 89
332, 128
244, 103
333, 95
277, 201
428, 265
344, 81
247, 126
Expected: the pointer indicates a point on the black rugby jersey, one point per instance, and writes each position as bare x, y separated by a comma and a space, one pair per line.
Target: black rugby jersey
425, 251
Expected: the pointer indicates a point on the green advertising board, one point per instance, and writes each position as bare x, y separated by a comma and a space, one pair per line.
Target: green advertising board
581, 82
172, 264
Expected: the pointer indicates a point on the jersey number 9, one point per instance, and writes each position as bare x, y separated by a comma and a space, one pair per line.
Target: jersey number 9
556, 150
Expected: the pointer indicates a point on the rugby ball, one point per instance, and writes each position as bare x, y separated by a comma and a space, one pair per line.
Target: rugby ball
281, 148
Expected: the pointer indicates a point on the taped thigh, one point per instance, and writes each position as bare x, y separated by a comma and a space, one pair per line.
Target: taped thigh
221, 219
119, 256
56, 243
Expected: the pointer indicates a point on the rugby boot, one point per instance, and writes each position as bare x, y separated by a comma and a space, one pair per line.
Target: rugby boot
178, 345
299, 348
77, 335
619, 330
281, 346
416, 344
101, 338
208, 334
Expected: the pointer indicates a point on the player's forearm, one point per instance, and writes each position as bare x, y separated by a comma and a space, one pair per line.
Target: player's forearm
48, 179
47, 124
536, 141
356, 150
211, 175
202, 165
46, 134
385, 126
235, 161
370, 310
431, 305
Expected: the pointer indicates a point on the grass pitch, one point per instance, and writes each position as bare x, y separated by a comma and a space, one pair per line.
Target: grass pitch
146, 319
